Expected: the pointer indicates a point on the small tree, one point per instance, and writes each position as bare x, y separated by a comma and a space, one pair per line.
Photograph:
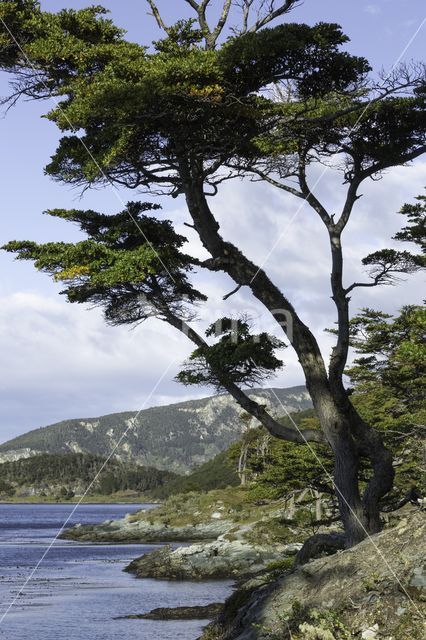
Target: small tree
183, 118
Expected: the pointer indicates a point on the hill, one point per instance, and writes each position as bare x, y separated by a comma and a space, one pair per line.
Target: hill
63, 476
176, 437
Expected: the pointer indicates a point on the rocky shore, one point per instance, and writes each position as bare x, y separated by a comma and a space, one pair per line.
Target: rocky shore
227, 536
129, 530
376, 590
220, 559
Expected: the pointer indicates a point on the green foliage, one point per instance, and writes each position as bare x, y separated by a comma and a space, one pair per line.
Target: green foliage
277, 567
238, 356
309, 56
276, 468
415, 231
131, 264
218, 473
383, 264
141, 111
389, 380
393, 353
6, 488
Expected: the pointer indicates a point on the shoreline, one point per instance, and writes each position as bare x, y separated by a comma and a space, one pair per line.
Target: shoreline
76, 500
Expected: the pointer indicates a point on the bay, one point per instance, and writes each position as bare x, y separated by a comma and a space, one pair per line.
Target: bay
79, 589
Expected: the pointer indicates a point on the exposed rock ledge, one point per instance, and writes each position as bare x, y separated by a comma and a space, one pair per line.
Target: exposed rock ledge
215, 560
128, 530
205, 612
376, 590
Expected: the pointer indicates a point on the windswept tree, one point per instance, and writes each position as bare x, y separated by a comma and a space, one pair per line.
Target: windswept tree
238, 96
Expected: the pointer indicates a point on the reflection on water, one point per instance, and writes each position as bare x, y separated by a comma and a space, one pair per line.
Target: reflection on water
79, 589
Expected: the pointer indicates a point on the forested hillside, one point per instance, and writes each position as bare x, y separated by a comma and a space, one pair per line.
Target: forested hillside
176, 437
64, 476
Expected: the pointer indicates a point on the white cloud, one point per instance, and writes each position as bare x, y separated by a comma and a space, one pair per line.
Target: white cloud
61, 361
372, 9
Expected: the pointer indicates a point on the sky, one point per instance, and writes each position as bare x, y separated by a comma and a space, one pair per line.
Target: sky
61, 361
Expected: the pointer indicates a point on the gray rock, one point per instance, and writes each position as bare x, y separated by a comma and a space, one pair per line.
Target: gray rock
214, 560
336, 585
142, 531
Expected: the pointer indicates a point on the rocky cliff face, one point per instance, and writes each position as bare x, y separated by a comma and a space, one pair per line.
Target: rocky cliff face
18, 454
176, 437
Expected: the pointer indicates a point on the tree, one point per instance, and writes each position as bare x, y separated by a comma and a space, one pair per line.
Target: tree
389, 378
180, 120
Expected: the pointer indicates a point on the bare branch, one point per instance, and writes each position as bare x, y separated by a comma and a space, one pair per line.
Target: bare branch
279, 185
309, 196
246, 7
231, 293
193, 4
157, 16
273, 14
351, 196
222, 21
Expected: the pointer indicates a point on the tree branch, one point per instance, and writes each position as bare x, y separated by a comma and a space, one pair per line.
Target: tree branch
222, 21
231, 293
351, 196
267, 178
273, 14
309, 196
275, 428
353, 286
157, 16
382, 166
227, 257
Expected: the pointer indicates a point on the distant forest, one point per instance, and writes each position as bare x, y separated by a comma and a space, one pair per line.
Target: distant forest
49, 472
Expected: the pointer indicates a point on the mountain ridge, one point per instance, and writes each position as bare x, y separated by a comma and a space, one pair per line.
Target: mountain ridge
176, 437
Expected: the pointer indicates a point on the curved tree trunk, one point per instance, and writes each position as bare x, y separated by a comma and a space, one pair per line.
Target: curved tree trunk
371, 446
348, 436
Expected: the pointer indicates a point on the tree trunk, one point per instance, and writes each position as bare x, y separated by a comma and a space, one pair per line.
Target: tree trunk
346, 486
242, 464
371, 446
346, 433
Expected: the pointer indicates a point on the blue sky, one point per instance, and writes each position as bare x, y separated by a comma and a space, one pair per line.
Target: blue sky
60, 361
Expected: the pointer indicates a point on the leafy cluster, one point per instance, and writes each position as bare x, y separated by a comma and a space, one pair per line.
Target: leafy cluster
238, 356
386, 263
131, 264
415, 230
142, 112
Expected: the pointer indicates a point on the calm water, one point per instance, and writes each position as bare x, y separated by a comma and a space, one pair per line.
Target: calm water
79, 588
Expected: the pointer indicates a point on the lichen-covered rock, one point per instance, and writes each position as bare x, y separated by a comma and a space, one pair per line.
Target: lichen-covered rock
375, 589
215, 560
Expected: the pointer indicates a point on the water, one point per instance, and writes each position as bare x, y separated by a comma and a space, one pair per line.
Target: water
80, 588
